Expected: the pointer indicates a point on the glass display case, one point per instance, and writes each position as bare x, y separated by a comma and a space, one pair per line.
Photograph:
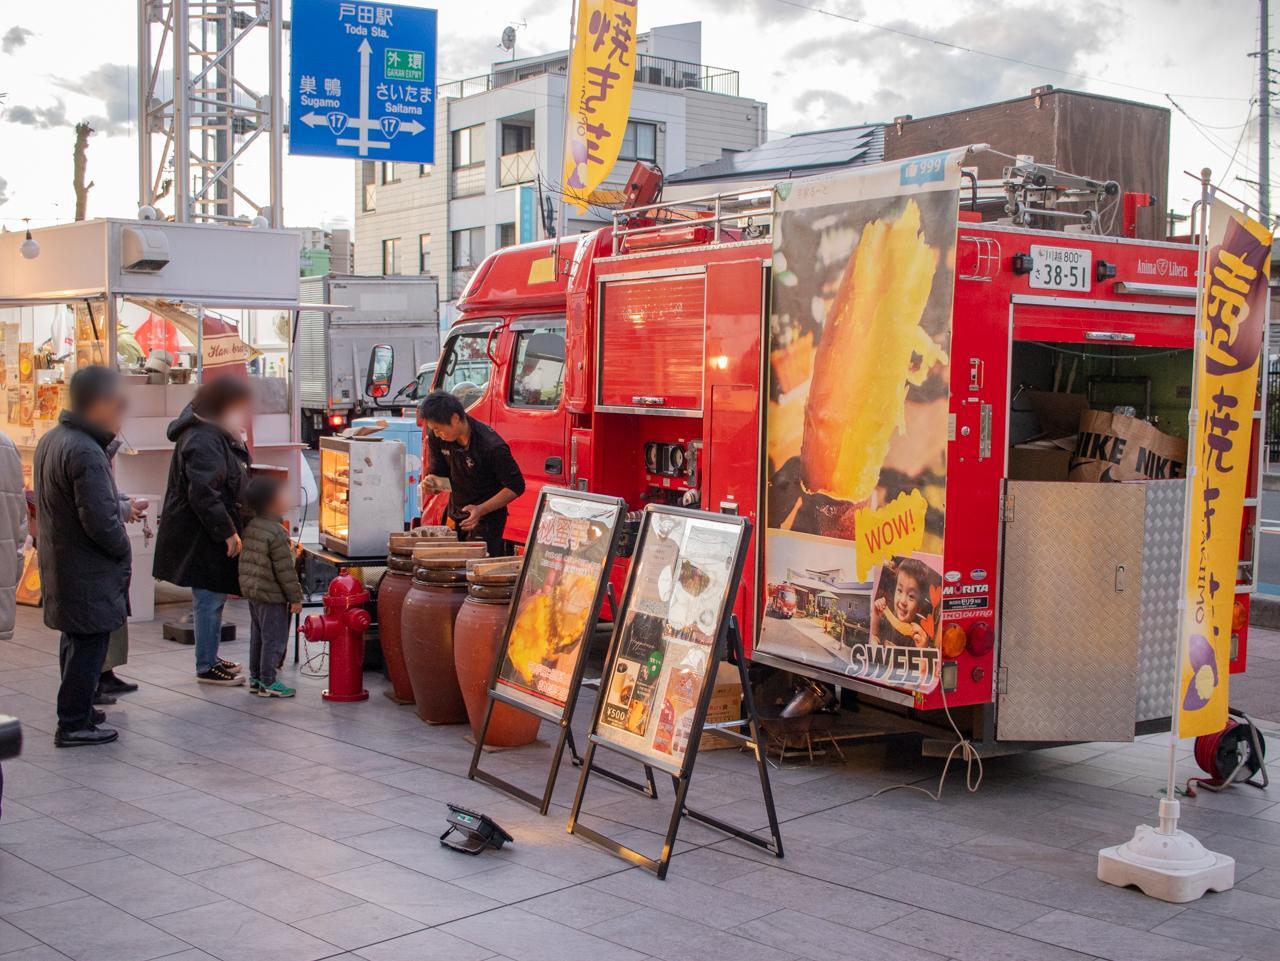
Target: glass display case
362, 494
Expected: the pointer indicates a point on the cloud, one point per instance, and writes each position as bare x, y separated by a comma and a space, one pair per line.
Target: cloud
42, 118
926, 78
4, 191
112, 85
778, 11
14, 38
824, 108
109, 84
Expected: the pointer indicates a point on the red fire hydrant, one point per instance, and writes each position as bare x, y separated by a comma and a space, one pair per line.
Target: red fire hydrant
342, 624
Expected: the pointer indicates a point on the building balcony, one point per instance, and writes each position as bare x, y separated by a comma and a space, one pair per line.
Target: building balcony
466, 181
517, 168
651, 71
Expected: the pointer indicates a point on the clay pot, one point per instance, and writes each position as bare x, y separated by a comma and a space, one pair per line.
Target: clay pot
426, 637
391, 594
477, 638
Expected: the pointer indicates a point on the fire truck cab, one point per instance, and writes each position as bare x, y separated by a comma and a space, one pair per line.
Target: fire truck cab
636, 361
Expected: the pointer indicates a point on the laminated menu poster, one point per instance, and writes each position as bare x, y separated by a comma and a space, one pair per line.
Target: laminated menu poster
678, 597
557, 599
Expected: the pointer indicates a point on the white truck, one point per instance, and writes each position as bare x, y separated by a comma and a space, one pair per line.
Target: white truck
333, 346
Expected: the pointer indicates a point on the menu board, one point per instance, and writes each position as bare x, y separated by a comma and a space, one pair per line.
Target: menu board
557, 600
683, 579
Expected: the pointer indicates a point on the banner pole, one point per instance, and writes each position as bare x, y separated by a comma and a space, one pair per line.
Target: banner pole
562, 214
1170, 807
1165, 862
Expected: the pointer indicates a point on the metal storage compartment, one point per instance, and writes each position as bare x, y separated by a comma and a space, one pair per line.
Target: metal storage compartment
651, 344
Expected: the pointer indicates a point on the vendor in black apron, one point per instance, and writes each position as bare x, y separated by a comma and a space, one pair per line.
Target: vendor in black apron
483, 476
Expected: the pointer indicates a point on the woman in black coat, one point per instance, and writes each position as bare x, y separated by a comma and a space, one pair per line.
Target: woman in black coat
198, 543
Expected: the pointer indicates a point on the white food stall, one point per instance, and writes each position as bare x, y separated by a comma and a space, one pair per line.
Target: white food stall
166, 303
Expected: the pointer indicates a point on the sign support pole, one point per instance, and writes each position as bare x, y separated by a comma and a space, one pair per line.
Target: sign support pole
751, 740
1165, 862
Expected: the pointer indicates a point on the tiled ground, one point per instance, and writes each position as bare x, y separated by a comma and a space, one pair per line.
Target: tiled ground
224, 826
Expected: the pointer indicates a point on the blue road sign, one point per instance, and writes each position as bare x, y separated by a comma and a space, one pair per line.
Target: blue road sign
363, 81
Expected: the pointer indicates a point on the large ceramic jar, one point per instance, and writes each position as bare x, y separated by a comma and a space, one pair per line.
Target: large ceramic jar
426, 638
392, 591
477, 638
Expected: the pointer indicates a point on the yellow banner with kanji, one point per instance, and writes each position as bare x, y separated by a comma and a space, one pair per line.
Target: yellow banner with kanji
602, 71
1231, 328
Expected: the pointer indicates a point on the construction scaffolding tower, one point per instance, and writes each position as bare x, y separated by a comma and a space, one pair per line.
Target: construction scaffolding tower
207, 121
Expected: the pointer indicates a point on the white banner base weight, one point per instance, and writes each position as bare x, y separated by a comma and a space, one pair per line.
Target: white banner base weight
1166, 863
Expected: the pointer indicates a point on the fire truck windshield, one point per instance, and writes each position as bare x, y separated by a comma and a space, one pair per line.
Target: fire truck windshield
465, 367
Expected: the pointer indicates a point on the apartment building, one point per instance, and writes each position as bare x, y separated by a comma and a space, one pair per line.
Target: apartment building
503, 131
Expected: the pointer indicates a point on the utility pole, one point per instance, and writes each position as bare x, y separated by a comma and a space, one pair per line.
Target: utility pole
1264, 113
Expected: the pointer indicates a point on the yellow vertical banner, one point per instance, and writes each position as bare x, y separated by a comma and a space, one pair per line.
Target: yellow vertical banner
602, 72
1230, 334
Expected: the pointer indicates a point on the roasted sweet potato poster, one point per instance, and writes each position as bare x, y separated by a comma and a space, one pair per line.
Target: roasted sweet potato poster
857, 417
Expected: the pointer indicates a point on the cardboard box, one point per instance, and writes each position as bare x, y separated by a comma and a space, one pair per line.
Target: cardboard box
1040, 463
1058, 413
1114, 447
726, 705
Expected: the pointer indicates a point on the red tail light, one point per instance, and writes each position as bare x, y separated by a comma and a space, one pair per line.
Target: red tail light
980, 639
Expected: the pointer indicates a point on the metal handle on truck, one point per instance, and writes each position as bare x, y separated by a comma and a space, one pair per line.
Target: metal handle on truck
1119, 578
649, 401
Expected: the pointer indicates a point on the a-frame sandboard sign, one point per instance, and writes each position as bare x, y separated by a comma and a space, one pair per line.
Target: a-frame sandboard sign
554, 610
673, 629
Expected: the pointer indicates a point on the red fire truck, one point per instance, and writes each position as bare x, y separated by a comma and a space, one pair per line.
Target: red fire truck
635, 361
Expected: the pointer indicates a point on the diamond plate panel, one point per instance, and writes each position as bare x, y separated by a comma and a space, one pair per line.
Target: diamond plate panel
1070, 603
1158, 620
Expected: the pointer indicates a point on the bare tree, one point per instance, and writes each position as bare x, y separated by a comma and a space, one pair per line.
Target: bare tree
79, 161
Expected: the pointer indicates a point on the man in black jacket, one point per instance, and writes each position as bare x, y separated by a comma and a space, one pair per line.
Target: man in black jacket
84, 549
483, 477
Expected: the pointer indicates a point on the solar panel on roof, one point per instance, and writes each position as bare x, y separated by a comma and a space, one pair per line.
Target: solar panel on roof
824, 148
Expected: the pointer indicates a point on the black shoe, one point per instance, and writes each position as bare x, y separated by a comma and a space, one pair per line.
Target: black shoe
102, 699
110, 684
220, 675
85, 737
97, 717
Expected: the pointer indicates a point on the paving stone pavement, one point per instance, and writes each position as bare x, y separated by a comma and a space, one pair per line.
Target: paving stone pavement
229, 827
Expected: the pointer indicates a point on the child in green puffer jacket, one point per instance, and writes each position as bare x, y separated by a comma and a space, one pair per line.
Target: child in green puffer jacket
269, 581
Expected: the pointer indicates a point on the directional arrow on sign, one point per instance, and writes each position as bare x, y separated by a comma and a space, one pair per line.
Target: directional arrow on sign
363, 123
412, 126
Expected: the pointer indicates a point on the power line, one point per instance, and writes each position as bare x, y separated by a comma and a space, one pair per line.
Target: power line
937, 41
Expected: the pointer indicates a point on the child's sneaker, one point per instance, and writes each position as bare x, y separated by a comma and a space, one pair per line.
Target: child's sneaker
275, 689
255, 685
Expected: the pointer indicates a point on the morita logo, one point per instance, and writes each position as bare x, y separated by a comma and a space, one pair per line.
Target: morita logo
1164, 267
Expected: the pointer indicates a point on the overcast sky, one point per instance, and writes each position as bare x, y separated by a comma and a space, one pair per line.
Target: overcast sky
62, 61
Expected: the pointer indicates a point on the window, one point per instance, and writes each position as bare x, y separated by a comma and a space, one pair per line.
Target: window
506, 235
391, 256
424, 170
640, 142
468, 247
516, 139
464, 368
387, 173
424, 253
468, 146
538, 379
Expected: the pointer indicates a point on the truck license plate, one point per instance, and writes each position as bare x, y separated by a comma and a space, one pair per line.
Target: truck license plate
1061, 268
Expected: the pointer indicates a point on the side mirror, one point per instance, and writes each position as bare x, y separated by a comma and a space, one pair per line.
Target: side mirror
382, 364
